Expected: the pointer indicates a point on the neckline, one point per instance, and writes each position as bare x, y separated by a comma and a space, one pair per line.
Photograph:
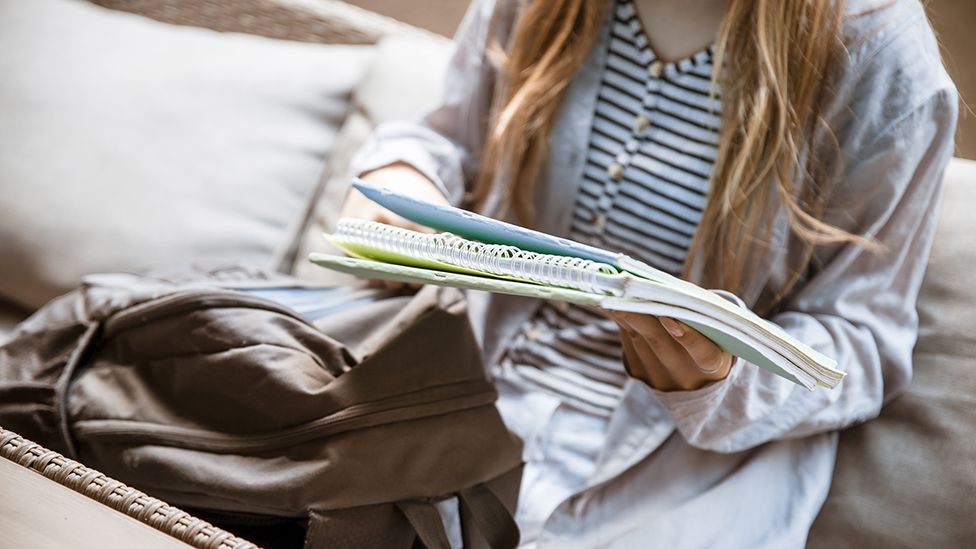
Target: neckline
627, 10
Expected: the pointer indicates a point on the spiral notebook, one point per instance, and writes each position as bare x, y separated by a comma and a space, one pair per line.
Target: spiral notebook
480, 253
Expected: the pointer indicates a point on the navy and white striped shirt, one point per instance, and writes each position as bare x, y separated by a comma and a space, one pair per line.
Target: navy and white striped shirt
652, 146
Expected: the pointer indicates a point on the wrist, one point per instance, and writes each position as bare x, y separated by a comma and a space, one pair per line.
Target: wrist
404, 178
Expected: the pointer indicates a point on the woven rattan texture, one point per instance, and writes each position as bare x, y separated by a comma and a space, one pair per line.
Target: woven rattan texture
322, 21
89, 482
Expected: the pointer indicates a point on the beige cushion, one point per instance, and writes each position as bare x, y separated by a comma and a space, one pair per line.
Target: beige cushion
128, 144
404, 82
908, 478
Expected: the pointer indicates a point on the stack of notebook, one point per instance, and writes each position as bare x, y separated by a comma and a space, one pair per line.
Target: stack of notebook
480, 253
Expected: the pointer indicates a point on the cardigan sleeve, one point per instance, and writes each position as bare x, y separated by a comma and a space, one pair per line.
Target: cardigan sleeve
859, 306
446, 143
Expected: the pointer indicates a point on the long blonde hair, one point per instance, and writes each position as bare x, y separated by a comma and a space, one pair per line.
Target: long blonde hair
775, 53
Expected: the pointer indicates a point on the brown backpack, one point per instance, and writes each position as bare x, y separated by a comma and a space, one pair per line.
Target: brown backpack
239, 409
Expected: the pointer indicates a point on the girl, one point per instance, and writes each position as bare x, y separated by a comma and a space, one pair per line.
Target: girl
789, 151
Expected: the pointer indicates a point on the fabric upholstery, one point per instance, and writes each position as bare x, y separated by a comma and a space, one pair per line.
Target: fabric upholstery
907, 478
414, 67
128, 144
10, 316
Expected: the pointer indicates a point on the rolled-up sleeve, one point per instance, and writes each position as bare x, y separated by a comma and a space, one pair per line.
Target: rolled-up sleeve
445, 145
859, 307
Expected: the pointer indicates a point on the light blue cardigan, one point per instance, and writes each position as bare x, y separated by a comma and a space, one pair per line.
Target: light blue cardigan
893, 110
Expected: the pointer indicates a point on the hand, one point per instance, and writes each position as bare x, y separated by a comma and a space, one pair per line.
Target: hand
405, 179
667, 354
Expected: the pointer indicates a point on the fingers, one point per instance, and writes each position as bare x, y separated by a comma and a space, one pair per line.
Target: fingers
357, 206
401, 176
640, 357
641, 362
669, 355
406, 179
657, 338
710, 360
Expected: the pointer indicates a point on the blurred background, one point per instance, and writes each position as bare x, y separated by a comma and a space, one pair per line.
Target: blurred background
954, 21
955, 24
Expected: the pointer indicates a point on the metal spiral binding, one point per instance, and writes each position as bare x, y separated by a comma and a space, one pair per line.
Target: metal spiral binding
497, 259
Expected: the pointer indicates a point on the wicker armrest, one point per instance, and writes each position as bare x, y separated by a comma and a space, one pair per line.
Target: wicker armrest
323, 21
134, 503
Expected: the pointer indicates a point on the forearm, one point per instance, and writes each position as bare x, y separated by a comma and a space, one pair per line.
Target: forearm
753, 406
445, 144
412, 151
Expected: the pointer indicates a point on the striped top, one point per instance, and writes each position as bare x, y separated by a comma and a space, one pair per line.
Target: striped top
652, 145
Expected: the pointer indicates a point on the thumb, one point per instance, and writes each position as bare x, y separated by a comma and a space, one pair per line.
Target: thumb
708, 356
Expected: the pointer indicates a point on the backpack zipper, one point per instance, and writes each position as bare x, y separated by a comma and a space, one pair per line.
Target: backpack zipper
178, 302
425, 403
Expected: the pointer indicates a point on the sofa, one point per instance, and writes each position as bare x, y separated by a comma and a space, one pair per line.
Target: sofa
220, 133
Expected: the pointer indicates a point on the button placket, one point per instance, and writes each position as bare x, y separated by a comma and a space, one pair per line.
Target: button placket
641, 126
642, 123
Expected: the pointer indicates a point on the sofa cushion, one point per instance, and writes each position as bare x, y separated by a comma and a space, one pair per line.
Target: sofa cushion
414, 65
128, 144
907, 478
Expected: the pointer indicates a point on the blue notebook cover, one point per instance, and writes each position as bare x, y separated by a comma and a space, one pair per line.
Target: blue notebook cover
478, 227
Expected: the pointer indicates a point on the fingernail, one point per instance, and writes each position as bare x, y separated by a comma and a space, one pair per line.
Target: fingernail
673, 328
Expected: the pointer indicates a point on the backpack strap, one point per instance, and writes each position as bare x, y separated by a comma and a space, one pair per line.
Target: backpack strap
491, 516
78, 354
426, 521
